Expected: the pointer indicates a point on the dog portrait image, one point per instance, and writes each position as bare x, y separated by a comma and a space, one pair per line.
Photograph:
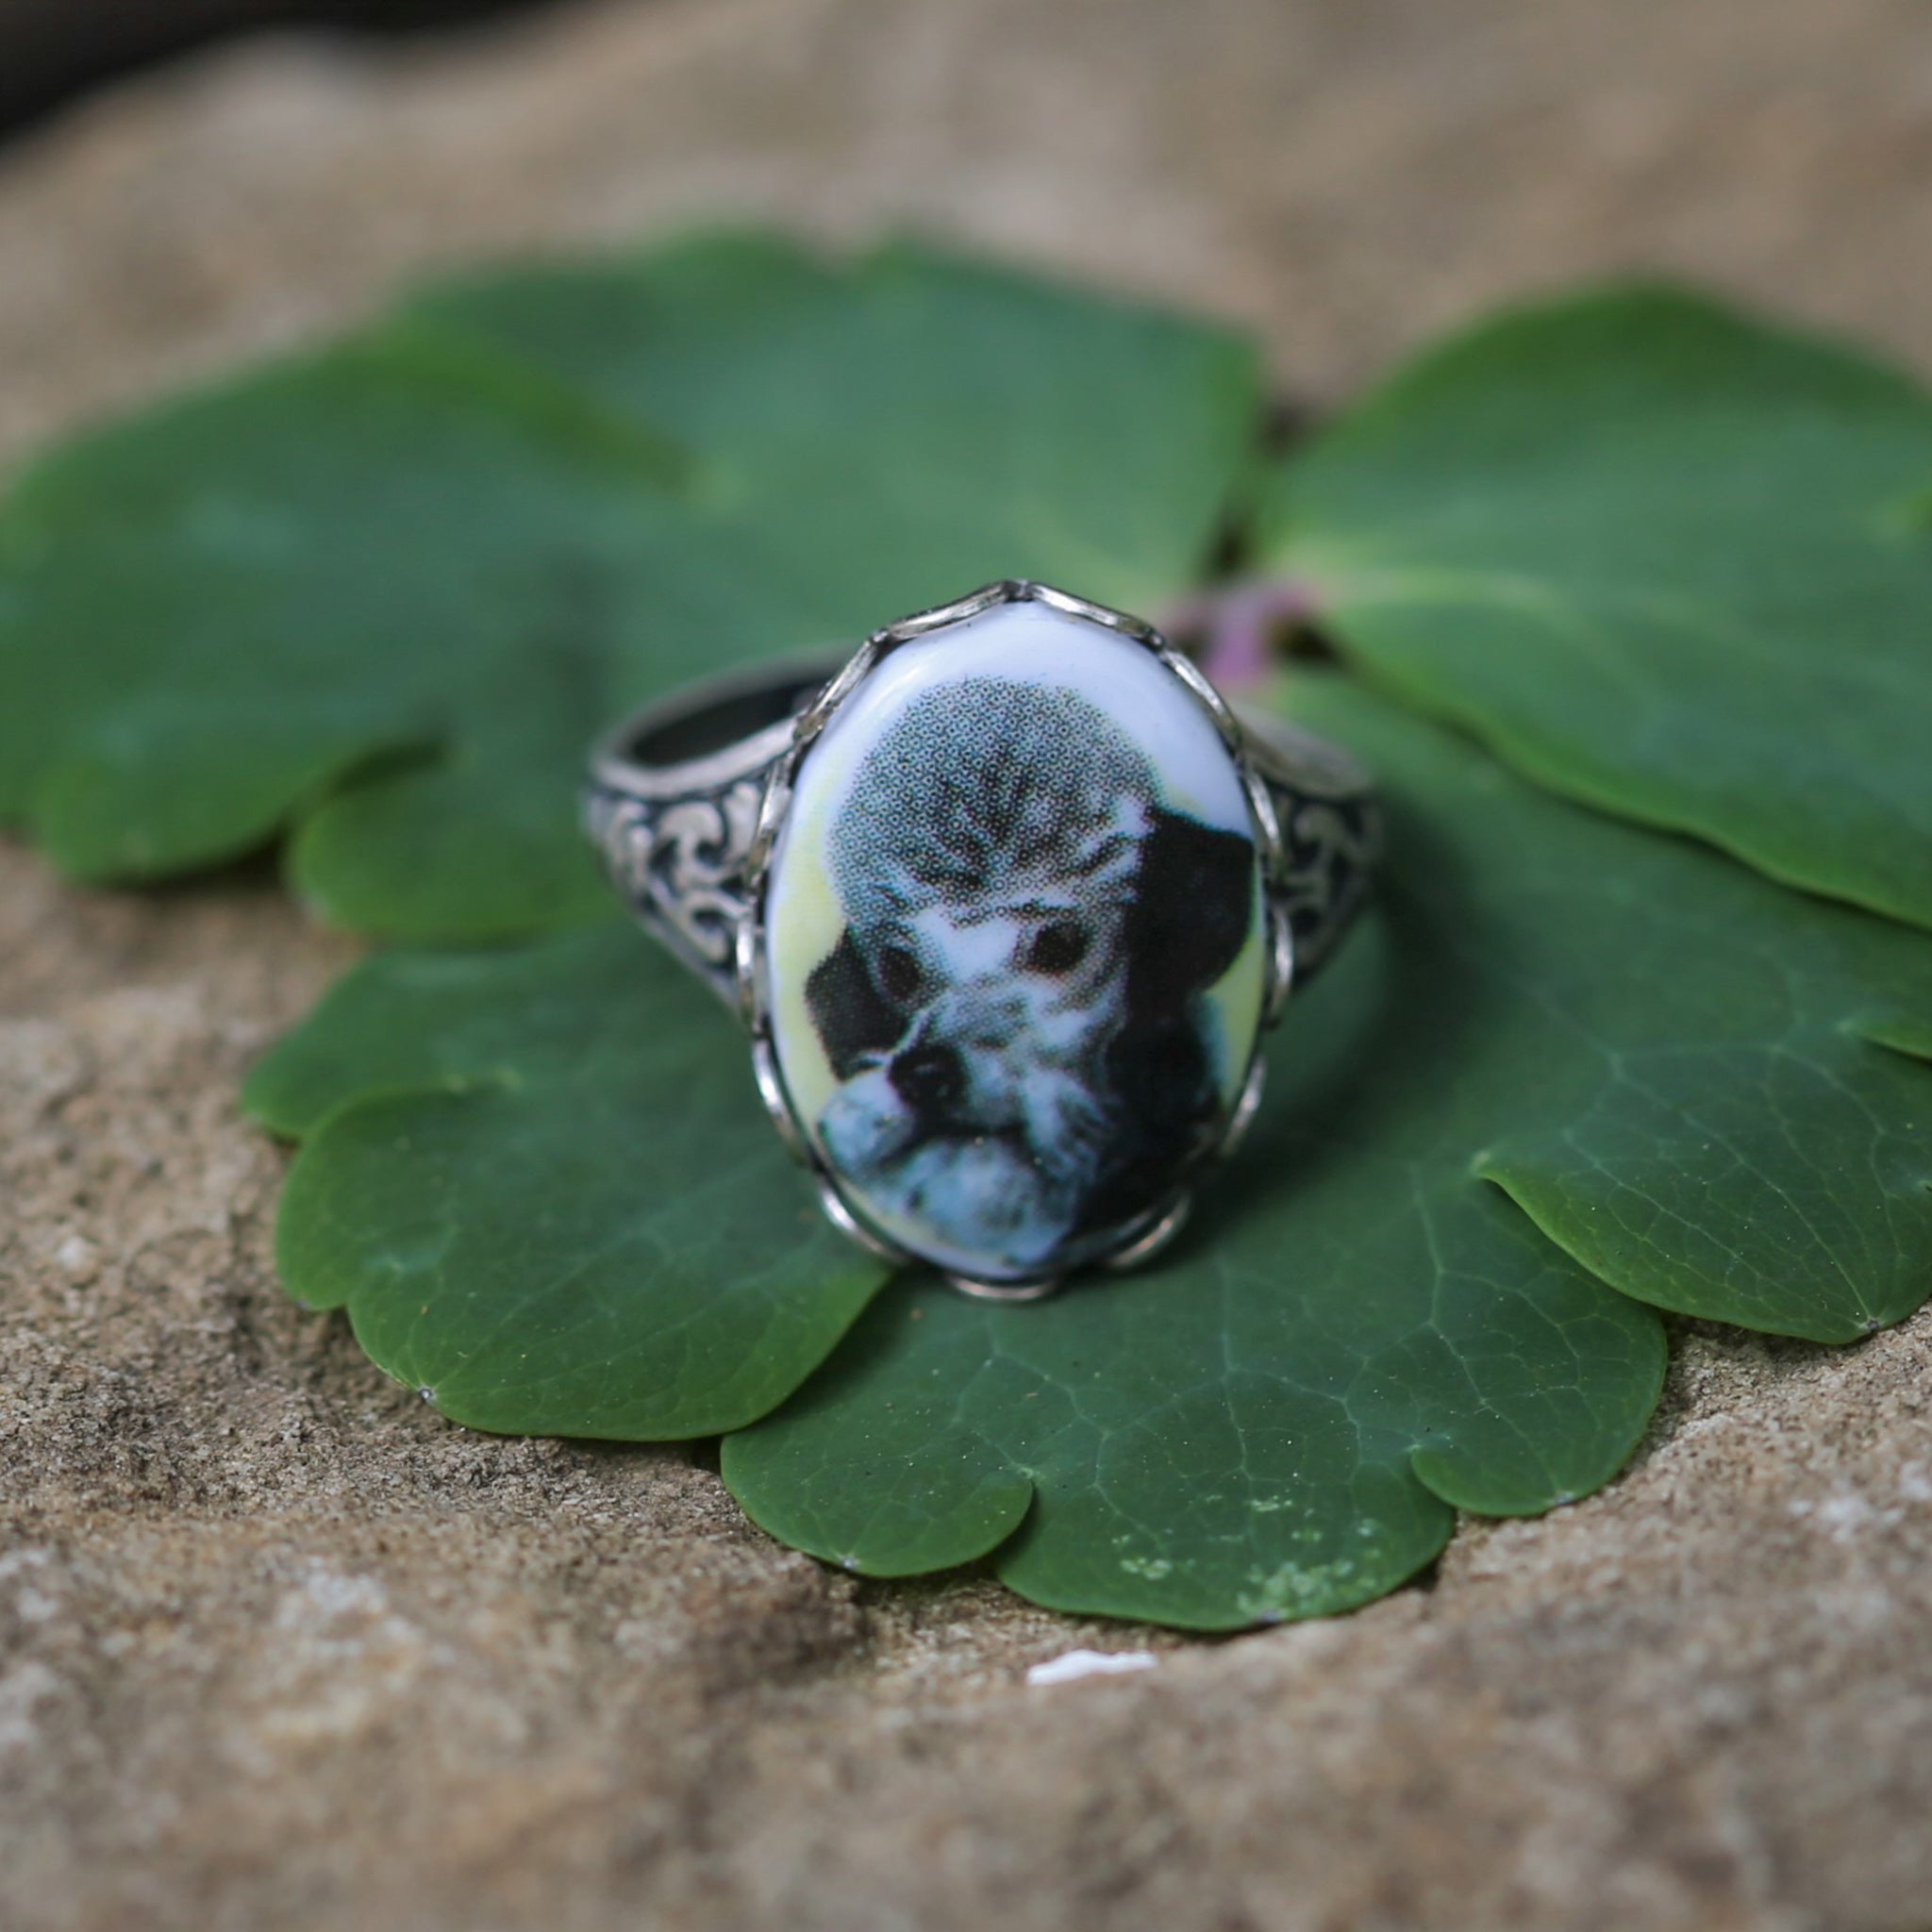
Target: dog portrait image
1016, 1010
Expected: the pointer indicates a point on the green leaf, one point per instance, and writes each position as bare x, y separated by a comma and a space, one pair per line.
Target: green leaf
385, 595
540, 1183
1662, 558
1673, 1070
1565, 1054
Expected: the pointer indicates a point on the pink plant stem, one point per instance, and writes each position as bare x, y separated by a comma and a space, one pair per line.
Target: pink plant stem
1237, 625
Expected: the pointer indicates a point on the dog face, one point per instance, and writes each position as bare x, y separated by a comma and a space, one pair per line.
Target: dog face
1011, 1010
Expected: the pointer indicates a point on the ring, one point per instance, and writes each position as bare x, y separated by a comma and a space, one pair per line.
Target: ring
1007, 901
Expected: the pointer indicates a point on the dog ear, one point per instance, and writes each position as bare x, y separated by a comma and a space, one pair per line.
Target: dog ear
851, 1017
1194, 905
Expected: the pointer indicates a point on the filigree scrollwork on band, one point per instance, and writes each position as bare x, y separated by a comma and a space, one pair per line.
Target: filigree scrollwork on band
681, 862
1331, 847
676, 839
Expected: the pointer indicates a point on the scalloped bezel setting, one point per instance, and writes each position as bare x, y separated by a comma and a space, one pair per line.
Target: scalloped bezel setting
1007, 951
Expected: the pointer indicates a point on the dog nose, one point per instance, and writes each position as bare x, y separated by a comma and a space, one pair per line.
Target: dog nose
928, 1077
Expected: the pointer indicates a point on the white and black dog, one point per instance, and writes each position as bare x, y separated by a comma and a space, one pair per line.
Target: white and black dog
1013, 1011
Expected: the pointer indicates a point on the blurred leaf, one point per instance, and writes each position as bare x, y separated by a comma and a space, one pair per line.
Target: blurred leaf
386, 594
1662, 558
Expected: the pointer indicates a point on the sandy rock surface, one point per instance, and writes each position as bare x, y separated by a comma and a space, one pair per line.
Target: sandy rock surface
278, 1648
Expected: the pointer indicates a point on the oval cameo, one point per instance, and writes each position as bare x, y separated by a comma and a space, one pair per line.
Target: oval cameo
1014, 939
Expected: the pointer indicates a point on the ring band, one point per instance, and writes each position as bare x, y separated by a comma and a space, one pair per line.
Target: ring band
1005, 900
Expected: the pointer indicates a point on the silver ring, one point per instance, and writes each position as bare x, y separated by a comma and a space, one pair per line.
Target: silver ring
1007, 901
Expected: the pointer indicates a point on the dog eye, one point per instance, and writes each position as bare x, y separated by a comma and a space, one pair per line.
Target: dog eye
1057, 948
899, 974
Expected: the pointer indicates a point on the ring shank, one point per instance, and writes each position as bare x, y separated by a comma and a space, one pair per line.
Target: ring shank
1331, 831
674, 793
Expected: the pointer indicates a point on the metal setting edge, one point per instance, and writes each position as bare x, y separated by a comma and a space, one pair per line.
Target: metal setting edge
1143, 1241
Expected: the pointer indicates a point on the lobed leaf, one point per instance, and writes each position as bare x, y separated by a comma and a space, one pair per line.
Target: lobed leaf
385, 595
539, 1183
1662, 558
1677, 1072
1569, 1068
